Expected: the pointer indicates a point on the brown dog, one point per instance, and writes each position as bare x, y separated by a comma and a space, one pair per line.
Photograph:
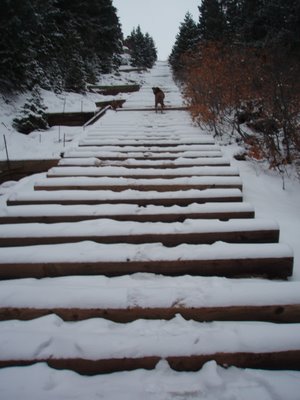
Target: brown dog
159, 98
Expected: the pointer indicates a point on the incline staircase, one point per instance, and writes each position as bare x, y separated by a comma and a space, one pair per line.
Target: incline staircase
141, 195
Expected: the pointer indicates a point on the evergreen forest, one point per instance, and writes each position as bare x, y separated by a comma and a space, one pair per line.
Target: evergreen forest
240, 68
62, 44
142, 48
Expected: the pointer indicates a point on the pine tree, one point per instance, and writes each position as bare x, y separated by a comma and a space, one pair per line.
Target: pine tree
137, 47
282, 24
142, 49
108, 37
32, 115
97, 25
47, 45
149, 53
264, 23
212, 22
232, 10
75, 74
40, 38
186, 41
253, 27
17, 23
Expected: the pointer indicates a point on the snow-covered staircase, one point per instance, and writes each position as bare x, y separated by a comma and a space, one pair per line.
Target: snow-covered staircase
128, 252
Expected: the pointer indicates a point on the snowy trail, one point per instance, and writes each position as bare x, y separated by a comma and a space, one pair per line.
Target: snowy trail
151, 147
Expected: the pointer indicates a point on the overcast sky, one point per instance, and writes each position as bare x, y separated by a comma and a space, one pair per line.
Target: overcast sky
160, 18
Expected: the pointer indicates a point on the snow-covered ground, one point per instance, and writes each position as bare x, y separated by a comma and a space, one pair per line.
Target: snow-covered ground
261, 188
49, 144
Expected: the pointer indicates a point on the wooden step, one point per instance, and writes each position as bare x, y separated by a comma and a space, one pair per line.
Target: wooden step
148, 155
152, 148
121, 135
289, 313
141, 184
202, 140
170, 234
272, 260
141, 173
183, 198
90, 347
276, 360
133, 163
125, 299
124, 212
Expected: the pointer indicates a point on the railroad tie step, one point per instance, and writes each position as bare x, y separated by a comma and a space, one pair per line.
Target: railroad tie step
277, 313
268, 260
113, 132
124, 212
142, 198
89, 347
126, 299
141, 147
169, 234
139, 183
195, 141
150, 173
139, 155
133, 163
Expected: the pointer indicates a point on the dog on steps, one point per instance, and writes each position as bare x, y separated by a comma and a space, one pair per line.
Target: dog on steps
159, 98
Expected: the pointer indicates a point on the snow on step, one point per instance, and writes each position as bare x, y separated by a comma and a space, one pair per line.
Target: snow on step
27, 213
140, 155
50, 338
153, 148
127, 196
150, 136
131, 162
273, 260
167, 132
140, 172
203, 139
170, 234
124, 183
94, 252
126, 298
